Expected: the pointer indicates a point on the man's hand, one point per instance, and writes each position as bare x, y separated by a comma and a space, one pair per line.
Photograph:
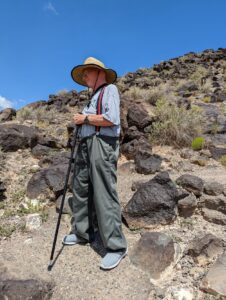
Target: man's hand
79, 119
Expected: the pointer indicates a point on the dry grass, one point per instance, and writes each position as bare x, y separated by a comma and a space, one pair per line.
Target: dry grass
175, 125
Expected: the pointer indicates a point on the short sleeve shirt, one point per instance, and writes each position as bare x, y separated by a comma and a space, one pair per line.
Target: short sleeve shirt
110, 112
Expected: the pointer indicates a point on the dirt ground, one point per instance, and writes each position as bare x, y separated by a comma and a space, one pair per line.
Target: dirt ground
76, 273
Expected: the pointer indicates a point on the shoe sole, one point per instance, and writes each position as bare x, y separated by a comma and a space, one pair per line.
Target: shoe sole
116, 264
68, 243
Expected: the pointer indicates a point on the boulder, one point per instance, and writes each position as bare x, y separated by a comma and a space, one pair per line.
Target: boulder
138, 116
14, 137
37, 104
215, 281
137, 184
191, 183
131, 148
40, 151
214, 216
213, 202
47, 184
155, 253
153, 203
147, 163
187, 206
132, 133
7, 114
205, 249
213, 188
217, 152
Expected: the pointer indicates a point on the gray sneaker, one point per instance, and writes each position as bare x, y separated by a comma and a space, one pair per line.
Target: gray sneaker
112, 259
72, 239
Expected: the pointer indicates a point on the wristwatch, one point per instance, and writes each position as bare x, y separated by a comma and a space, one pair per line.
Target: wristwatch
86, 120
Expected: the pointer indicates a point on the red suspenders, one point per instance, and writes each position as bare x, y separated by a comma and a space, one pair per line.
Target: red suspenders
99, 106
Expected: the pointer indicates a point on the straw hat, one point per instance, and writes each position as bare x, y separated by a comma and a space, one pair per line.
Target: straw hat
91, 62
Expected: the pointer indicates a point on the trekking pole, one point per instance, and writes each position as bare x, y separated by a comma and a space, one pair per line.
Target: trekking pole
63, 198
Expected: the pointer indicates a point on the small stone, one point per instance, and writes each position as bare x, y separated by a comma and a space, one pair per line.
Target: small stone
35, 168
28, 241
35, 202
33, 221
182, 294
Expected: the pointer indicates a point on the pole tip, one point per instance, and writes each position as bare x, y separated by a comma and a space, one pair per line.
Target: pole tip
49, 268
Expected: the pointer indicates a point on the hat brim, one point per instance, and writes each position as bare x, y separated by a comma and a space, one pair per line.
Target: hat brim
77, 73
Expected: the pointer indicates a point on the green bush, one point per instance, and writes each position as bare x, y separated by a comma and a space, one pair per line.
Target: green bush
198, 143
175, 125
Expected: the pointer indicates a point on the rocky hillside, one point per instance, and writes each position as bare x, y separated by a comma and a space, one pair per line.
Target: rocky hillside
172, 173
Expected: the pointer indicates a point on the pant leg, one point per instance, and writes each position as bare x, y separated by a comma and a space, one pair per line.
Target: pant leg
103, 167
81, 193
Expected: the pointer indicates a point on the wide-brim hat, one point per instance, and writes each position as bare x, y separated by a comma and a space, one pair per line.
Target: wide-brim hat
91, 62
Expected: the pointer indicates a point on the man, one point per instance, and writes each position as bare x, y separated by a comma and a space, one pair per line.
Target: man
94, 182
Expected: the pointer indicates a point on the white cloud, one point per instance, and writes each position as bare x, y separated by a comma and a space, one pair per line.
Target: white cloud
5, 103
49, 6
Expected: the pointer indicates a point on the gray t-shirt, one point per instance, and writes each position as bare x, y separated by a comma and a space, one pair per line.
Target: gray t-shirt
110, 112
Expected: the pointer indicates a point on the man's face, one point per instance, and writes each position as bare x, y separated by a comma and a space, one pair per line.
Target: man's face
90, 77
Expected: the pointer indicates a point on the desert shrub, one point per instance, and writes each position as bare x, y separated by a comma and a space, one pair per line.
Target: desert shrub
6, 230
151, 95
223, 160
24, 113
199, 73
198, 143
206, 99
175, 125
206, 87
134, 93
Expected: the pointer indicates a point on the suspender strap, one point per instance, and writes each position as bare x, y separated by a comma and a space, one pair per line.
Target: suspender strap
99, 105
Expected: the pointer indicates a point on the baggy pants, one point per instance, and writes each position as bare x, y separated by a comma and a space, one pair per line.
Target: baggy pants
94, 192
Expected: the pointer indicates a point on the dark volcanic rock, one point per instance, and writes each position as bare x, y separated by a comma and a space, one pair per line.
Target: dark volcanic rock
191, 183
204, 249
60, 158
47, 184
217, 202
131, 148
214, 216
14, 137
25, 289
213, 188
154, 253
217, 152
187, 206
147, 163
131, 134
2, 191
7, 114
138, 116
153, 203
39, 151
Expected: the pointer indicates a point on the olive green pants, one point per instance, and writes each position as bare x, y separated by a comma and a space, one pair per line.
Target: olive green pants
94, 192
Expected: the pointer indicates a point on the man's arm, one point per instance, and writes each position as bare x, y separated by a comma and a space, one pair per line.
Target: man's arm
95, 120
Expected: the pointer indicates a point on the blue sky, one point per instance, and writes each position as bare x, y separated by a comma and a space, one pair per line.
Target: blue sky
41, 41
